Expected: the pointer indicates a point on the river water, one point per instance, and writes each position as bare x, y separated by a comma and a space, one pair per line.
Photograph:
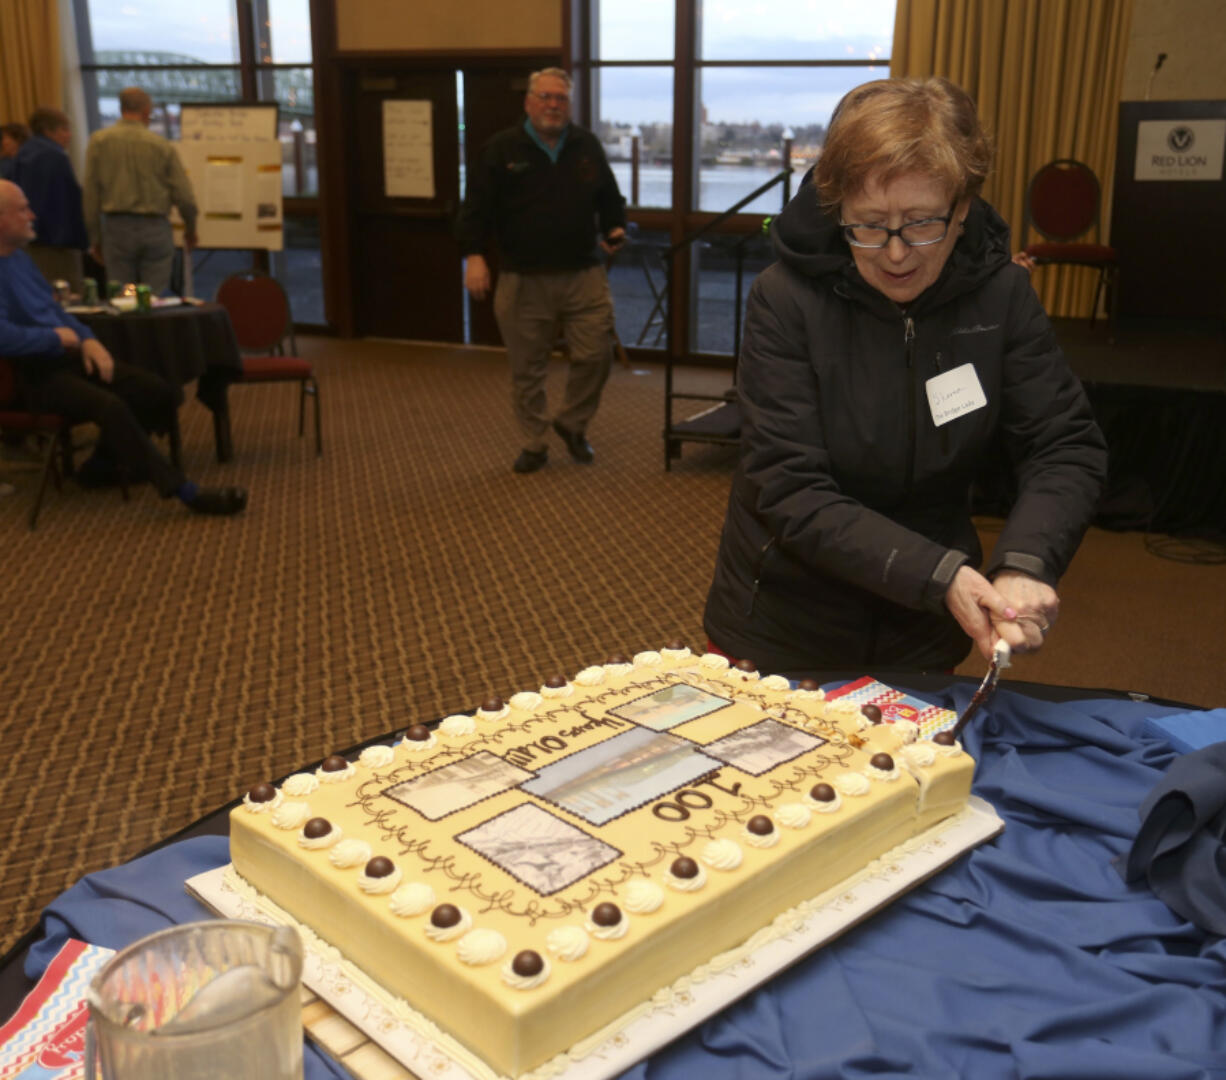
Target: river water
719, 186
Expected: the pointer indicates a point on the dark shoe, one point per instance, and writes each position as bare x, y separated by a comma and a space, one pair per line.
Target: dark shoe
580, 449
530, 460
221, 501
97, 471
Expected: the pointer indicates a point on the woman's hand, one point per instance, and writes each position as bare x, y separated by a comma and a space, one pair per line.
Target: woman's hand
1037, 607
979, 608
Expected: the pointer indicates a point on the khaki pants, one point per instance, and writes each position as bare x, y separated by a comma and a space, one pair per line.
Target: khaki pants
529, 309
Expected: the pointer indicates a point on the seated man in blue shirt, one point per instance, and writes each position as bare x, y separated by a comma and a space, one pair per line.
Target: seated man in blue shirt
64, 369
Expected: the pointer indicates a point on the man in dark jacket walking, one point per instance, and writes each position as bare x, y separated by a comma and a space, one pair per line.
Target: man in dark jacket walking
539, 192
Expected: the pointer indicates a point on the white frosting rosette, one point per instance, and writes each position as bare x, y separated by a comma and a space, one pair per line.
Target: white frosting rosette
908, 730
526, 701
809, 695
319, 843
735, 674
722, 854
412, 746
775, 682
290, 815
825, 807
254, 807
457, 725
713, 662
326, 777
491, 717
682, 884
642, 897
647, 658
842, 709
349, 852
852, 783
377, 757
380, 886
949, 751
562, 691
769, 840
676, 654
415, 898
450, 933
591, 676
301, 783
569, 943
609, 933
793, 815
480, 946
613, 670
919, 755
516, 981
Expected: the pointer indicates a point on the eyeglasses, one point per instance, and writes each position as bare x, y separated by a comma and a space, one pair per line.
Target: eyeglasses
913, 233
551, 99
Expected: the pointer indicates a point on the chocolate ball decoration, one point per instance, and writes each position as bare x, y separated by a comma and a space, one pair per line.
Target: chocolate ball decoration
882, 761
760, 825
606, 914
492, 704
748, 666
684, 867
944, 738
527, 963
418, 733
821, 793
871, 713
335, 763
808, 684
618, 658
445, 915
262, 793
556, 682
379, 866
677, 645
316, 828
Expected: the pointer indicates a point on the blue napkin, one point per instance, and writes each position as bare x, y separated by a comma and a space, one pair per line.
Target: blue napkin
1189, 731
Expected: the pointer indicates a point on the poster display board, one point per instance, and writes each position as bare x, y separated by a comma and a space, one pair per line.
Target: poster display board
232, 156
408, 149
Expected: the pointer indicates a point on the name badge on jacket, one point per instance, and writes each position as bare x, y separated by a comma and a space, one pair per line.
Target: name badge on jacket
954, 393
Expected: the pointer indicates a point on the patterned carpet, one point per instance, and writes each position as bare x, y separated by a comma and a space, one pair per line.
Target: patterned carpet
155, 664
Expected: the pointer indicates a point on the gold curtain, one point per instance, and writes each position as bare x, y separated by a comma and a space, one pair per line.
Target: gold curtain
1047, 76
30, 45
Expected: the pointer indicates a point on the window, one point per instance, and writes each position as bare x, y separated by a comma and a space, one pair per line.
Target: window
215, 51
763, 80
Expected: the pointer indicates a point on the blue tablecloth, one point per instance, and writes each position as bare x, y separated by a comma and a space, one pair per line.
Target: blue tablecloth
1029, 959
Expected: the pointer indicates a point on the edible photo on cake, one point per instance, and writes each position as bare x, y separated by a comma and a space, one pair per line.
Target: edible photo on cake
670, 706
613, 777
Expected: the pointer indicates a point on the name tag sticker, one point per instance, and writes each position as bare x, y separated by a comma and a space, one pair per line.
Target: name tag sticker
954, 393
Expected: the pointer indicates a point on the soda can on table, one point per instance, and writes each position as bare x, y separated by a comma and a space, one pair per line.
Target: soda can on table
144, 298
113, 289
62, 290
90, 297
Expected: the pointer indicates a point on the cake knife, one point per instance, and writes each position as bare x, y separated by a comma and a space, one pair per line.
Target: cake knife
1000, 660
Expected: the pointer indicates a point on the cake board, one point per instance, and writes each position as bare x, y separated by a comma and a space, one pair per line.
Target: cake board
349, 1000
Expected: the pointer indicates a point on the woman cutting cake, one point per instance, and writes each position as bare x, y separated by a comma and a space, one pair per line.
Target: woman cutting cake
891, 350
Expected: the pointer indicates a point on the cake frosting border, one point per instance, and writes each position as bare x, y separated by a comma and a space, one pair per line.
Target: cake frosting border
385, 1012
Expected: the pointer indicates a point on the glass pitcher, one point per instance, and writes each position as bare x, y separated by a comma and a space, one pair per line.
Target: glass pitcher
199, 1001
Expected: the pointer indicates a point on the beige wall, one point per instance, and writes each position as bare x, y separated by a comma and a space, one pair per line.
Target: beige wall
1192, 33
462, 25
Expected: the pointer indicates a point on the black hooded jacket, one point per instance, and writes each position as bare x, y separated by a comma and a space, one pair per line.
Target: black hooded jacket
850, 508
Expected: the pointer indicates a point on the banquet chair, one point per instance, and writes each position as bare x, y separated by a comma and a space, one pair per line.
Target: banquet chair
51, 429
260, 313
1062, 206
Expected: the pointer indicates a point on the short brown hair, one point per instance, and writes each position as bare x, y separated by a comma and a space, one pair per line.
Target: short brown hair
17, 132
45, 120
132, 99
891, 127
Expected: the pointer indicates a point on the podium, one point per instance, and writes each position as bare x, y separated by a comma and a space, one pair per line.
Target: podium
1168, 222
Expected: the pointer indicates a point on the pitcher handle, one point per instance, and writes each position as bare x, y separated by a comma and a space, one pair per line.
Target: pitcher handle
89, 1067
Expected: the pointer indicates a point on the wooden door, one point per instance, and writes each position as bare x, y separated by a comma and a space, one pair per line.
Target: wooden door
407, 280
493, 100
